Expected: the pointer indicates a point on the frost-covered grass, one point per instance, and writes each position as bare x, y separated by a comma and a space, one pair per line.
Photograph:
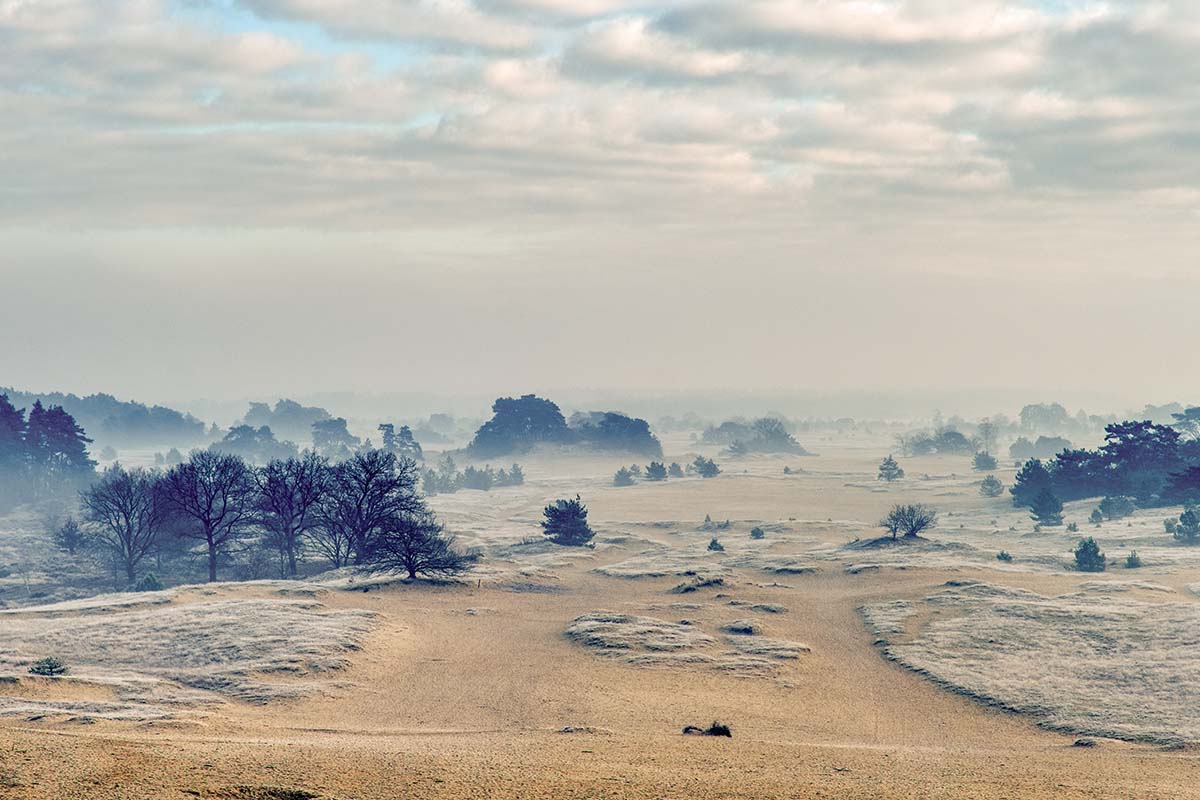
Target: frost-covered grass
1083, 663
184, 654
648, 641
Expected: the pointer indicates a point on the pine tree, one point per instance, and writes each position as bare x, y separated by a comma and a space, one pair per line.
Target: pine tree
991, 486
889, 470
656, 471
1030, 482
1047, 509
1088, 557
566, 523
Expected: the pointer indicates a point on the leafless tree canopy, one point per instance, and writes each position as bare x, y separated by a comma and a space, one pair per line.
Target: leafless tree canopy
367, 494
125, 514
216, 495
289, 491
909, 519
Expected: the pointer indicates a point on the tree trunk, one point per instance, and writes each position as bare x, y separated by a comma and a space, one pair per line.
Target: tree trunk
212, 559
130, 570
291, 556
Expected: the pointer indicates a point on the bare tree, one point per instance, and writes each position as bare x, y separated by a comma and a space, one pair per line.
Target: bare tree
289, 491
366, 494
413, 544
910, 519
216, 492
126, 514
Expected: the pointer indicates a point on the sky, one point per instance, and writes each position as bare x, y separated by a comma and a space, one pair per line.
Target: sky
237, 198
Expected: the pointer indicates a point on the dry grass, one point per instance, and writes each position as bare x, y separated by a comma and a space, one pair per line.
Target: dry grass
647, 641
1122, 669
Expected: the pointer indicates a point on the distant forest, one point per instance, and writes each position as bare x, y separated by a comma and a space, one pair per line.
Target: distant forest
119, 423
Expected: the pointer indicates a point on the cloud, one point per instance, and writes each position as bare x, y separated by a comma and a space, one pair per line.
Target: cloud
512, 112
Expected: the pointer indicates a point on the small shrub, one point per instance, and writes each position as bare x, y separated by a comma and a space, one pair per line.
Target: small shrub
49, 667
1116, 507
706, 467
983, 462
757, 533
1088, 557
1132, 561
1187, 530
148, 583
656, 471
1096, 518
889, 470
1073, 527
787, 470
1170, 525
675, 471
991, 486
716, 546
1003, 555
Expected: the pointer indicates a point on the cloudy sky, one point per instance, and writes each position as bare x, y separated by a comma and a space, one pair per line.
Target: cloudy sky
239, 197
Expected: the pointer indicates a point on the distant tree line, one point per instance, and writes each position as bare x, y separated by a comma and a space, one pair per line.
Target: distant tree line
118, 422
448, 479
330, 437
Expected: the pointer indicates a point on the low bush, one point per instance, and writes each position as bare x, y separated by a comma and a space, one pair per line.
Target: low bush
49, 667
716, 729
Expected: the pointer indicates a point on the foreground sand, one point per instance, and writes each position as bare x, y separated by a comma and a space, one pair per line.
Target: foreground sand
464, 691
